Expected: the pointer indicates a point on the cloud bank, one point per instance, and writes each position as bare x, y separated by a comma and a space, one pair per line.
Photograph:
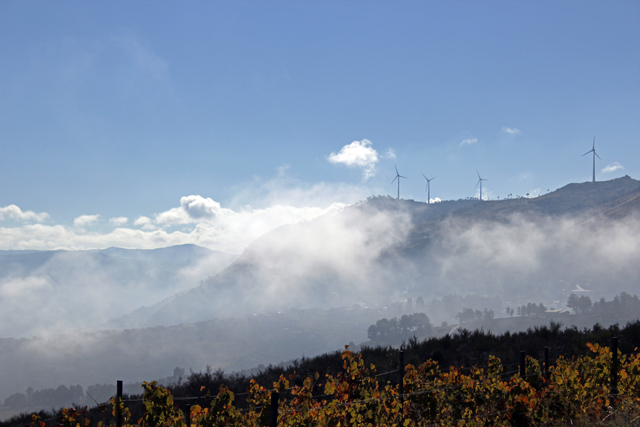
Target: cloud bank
15, 213
197, 219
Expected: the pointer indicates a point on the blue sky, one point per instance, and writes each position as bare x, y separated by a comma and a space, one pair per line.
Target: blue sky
213, 122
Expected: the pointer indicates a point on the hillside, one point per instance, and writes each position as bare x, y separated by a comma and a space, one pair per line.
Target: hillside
279, 300
383, 248
463, 349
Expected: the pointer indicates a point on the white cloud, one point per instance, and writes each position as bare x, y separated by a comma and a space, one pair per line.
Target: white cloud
228, 231
142, 220
389, 154
469, 141
200, 220
14, 212
119, 221
192, 209
511, 131
85, 220
612, 167
257, 207
358, 154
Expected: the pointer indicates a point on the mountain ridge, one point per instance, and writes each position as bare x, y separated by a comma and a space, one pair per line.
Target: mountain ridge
261, 265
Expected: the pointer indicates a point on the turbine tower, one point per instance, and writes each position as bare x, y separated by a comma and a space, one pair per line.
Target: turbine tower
480, 183
593, 150
398, 176
428, 188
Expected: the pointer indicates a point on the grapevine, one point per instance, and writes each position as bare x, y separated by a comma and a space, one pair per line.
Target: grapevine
577, 391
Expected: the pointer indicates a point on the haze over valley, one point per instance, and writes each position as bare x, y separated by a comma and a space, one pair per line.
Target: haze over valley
231, 185
312, 287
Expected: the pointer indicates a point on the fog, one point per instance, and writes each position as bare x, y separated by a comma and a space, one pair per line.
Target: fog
530, 258
375, 254
51, 293
380, 256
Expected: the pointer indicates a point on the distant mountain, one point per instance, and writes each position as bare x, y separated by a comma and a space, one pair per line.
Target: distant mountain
179, 255
384, 248
52, 292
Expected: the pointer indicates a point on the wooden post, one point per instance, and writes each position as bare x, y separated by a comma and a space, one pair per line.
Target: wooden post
523, 370
274, 409
118, 402
546, 362
401, 377
614, 368
401, 385
187, 415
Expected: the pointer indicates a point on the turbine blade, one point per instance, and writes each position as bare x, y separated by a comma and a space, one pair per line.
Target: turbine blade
396, 170
425, 177
597, 155
587, 153
394, 180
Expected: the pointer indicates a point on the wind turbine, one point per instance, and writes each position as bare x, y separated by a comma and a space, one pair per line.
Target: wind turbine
398, 176
428, 188
480, 183
593, 150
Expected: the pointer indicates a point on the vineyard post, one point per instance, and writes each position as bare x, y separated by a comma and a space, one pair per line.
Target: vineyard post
401, 384
614, 368
523, 370
546, 362
187, 415
401, 377
118, 401
274, 409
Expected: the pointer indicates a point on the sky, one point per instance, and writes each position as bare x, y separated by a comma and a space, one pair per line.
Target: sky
147, 124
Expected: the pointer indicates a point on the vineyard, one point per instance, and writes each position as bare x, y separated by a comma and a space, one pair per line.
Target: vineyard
603, 386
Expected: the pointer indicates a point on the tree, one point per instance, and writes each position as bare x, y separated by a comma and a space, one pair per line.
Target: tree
584, 304
394, 331
17, 401
572, 302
